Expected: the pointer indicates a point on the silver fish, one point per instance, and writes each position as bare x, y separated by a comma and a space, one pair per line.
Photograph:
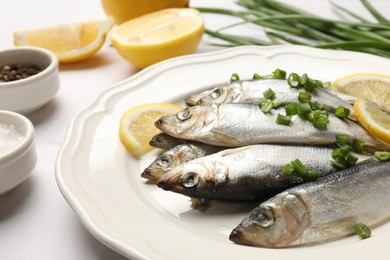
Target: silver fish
250, 91
164, 141
247, 173
176, 156
237, 125
319, 211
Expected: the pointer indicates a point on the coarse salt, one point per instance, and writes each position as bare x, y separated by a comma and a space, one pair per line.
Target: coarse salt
9, 138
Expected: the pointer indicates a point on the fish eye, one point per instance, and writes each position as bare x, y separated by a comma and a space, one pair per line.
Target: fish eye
184, 114
190, 180
165, 160
262, 216
216, 93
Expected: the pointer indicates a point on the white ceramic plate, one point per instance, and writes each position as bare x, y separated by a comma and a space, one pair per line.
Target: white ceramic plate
102, 182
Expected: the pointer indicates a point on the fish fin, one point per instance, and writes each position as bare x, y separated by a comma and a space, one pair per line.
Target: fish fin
224, 139
202, 204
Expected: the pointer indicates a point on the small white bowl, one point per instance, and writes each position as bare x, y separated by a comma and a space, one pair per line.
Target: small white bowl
28, 94
18, 155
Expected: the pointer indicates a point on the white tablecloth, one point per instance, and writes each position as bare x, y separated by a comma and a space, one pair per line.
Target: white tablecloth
35, 220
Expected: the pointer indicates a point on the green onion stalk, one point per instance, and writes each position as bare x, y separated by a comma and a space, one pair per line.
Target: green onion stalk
286, 24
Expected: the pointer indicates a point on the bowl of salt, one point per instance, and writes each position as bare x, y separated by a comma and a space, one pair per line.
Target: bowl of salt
18, 155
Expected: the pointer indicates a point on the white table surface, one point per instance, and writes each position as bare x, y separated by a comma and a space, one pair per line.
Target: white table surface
35, 220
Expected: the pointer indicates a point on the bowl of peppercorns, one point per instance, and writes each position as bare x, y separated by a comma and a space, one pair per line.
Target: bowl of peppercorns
28, 78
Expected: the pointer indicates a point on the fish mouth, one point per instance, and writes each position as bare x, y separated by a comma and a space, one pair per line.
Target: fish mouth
236, 236
149, 174
192, 100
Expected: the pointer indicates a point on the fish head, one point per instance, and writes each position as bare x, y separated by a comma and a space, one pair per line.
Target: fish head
278, 222
195, 179
219, 94
189, 122
169, 160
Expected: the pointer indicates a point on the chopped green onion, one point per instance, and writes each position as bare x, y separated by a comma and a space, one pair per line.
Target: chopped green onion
362, 230
262, 101
382, 156
269, 93
342, 112
352, 159
234, 77
283, 120
338, 165
291, 109
320, 122
267, 106
358, 146
342, 140
299, 167
279, 74
303, 109
304, 97
293, 80
317, 106
256, 76
288, 169
304, 78
310, 176
276, 103
310, 84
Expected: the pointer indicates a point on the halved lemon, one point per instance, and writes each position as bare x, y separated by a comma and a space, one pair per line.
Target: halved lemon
124, 10
69, 42
373, 87
157, 36
373, 119
136, 126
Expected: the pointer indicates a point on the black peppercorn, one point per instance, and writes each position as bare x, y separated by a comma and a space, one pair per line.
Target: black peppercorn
17, 71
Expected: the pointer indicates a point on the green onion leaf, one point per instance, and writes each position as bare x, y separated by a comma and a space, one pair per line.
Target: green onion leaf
342, 112
269, 93
382, 156
362, 230
304, 97
283, 120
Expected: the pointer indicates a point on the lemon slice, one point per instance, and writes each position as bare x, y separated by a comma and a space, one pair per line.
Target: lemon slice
157, 36
373, 119
136, 126
70, 42
374, 87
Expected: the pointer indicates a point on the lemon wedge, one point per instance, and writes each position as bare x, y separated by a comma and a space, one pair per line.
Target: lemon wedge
373, 119
124, 10
69, 42
374, 87
136, 126
157, 36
